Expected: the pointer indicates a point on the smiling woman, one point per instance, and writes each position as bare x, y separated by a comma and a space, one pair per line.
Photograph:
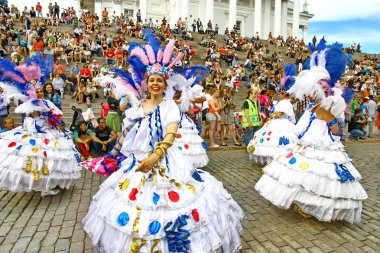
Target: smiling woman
156, 201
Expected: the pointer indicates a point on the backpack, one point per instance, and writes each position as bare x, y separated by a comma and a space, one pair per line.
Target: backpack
104, 110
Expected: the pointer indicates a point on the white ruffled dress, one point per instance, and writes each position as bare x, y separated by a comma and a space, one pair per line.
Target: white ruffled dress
317, 175
172, 208
190, 143
36, 156
276, 136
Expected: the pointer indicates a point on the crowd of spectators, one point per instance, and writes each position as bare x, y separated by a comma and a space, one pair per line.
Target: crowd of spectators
232, 61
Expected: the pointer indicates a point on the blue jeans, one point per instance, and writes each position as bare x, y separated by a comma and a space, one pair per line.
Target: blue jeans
357, 133
249, 134
98, 148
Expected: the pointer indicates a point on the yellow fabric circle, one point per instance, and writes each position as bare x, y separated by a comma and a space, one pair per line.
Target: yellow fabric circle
304, 166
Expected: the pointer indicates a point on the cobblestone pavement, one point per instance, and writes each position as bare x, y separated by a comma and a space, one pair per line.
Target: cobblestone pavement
29, 223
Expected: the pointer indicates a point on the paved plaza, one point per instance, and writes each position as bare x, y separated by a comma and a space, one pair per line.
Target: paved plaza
29, 223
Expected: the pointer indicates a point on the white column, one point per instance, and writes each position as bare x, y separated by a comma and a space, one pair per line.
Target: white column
210, 12
296, 17
98, 8
185, 10
304, 34
266, 18
143, 9
277, 18
76, 8
257, 23
284, 19
232, 15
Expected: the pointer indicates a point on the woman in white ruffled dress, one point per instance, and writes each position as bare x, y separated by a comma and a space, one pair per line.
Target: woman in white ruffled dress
276, 135
38, 156
317, 174
157, 201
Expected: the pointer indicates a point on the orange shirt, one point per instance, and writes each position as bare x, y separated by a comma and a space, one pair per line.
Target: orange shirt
38, 45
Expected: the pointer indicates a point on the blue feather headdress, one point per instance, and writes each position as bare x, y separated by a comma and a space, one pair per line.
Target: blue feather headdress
289, 78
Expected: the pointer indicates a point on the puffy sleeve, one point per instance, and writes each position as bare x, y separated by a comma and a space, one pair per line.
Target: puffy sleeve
172, 114
132, 115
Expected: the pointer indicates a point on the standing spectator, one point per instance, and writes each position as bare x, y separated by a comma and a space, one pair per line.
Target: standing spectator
8, 124
113, 118
103, 138
371, 108
213, 117
56, 11
59, 84
83, 139
52, 95
227, 116
51, 11
251, 116
138, 16
199, 23
39, 10
3, 109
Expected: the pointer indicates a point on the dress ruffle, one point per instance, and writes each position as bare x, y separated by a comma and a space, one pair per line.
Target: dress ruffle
37, 161
190, 143
273, 139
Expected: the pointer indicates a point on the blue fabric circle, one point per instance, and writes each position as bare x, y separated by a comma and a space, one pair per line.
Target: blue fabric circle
123, 219
197, 177
17, 133
154, 227
19, 147
292, 160
32, 142
179, 147
264, 133
156, 198
261, 140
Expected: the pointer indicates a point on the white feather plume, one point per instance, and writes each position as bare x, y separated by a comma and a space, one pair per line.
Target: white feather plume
307, 83
118, 88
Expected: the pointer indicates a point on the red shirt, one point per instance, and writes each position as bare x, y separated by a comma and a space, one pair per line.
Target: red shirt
110, 54
38, 45
38, 7
85, 72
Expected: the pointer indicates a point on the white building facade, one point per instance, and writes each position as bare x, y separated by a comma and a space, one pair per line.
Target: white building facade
280, 17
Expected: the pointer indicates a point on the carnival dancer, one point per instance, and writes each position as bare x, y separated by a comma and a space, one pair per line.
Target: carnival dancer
278, 133
39, 155
188, 140
317, 174
156, 201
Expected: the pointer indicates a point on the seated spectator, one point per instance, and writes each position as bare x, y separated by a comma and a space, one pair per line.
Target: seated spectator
90, 92
110, 57
103, 138
52, 95
95, 68
8, 123
72, 83
85, 73
83, 140
356, 126
59, 84
80, 94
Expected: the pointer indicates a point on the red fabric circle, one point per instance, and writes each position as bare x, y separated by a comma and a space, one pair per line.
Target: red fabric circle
132, 195
186, 146
179, 136
195, 215
12, 144
289, 155
173, 196
46, 141
270, 132
45, 154
268, 139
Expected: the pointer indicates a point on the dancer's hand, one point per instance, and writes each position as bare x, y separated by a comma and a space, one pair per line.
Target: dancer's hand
147, 164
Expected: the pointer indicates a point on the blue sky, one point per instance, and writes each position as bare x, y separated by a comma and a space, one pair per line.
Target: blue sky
346, 21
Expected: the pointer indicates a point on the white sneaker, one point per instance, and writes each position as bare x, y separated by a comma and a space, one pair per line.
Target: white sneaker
51, 192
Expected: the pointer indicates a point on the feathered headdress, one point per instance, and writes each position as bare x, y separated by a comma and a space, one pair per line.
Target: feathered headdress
289, 78
21, 82
143, 61
327, 65
187, 81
